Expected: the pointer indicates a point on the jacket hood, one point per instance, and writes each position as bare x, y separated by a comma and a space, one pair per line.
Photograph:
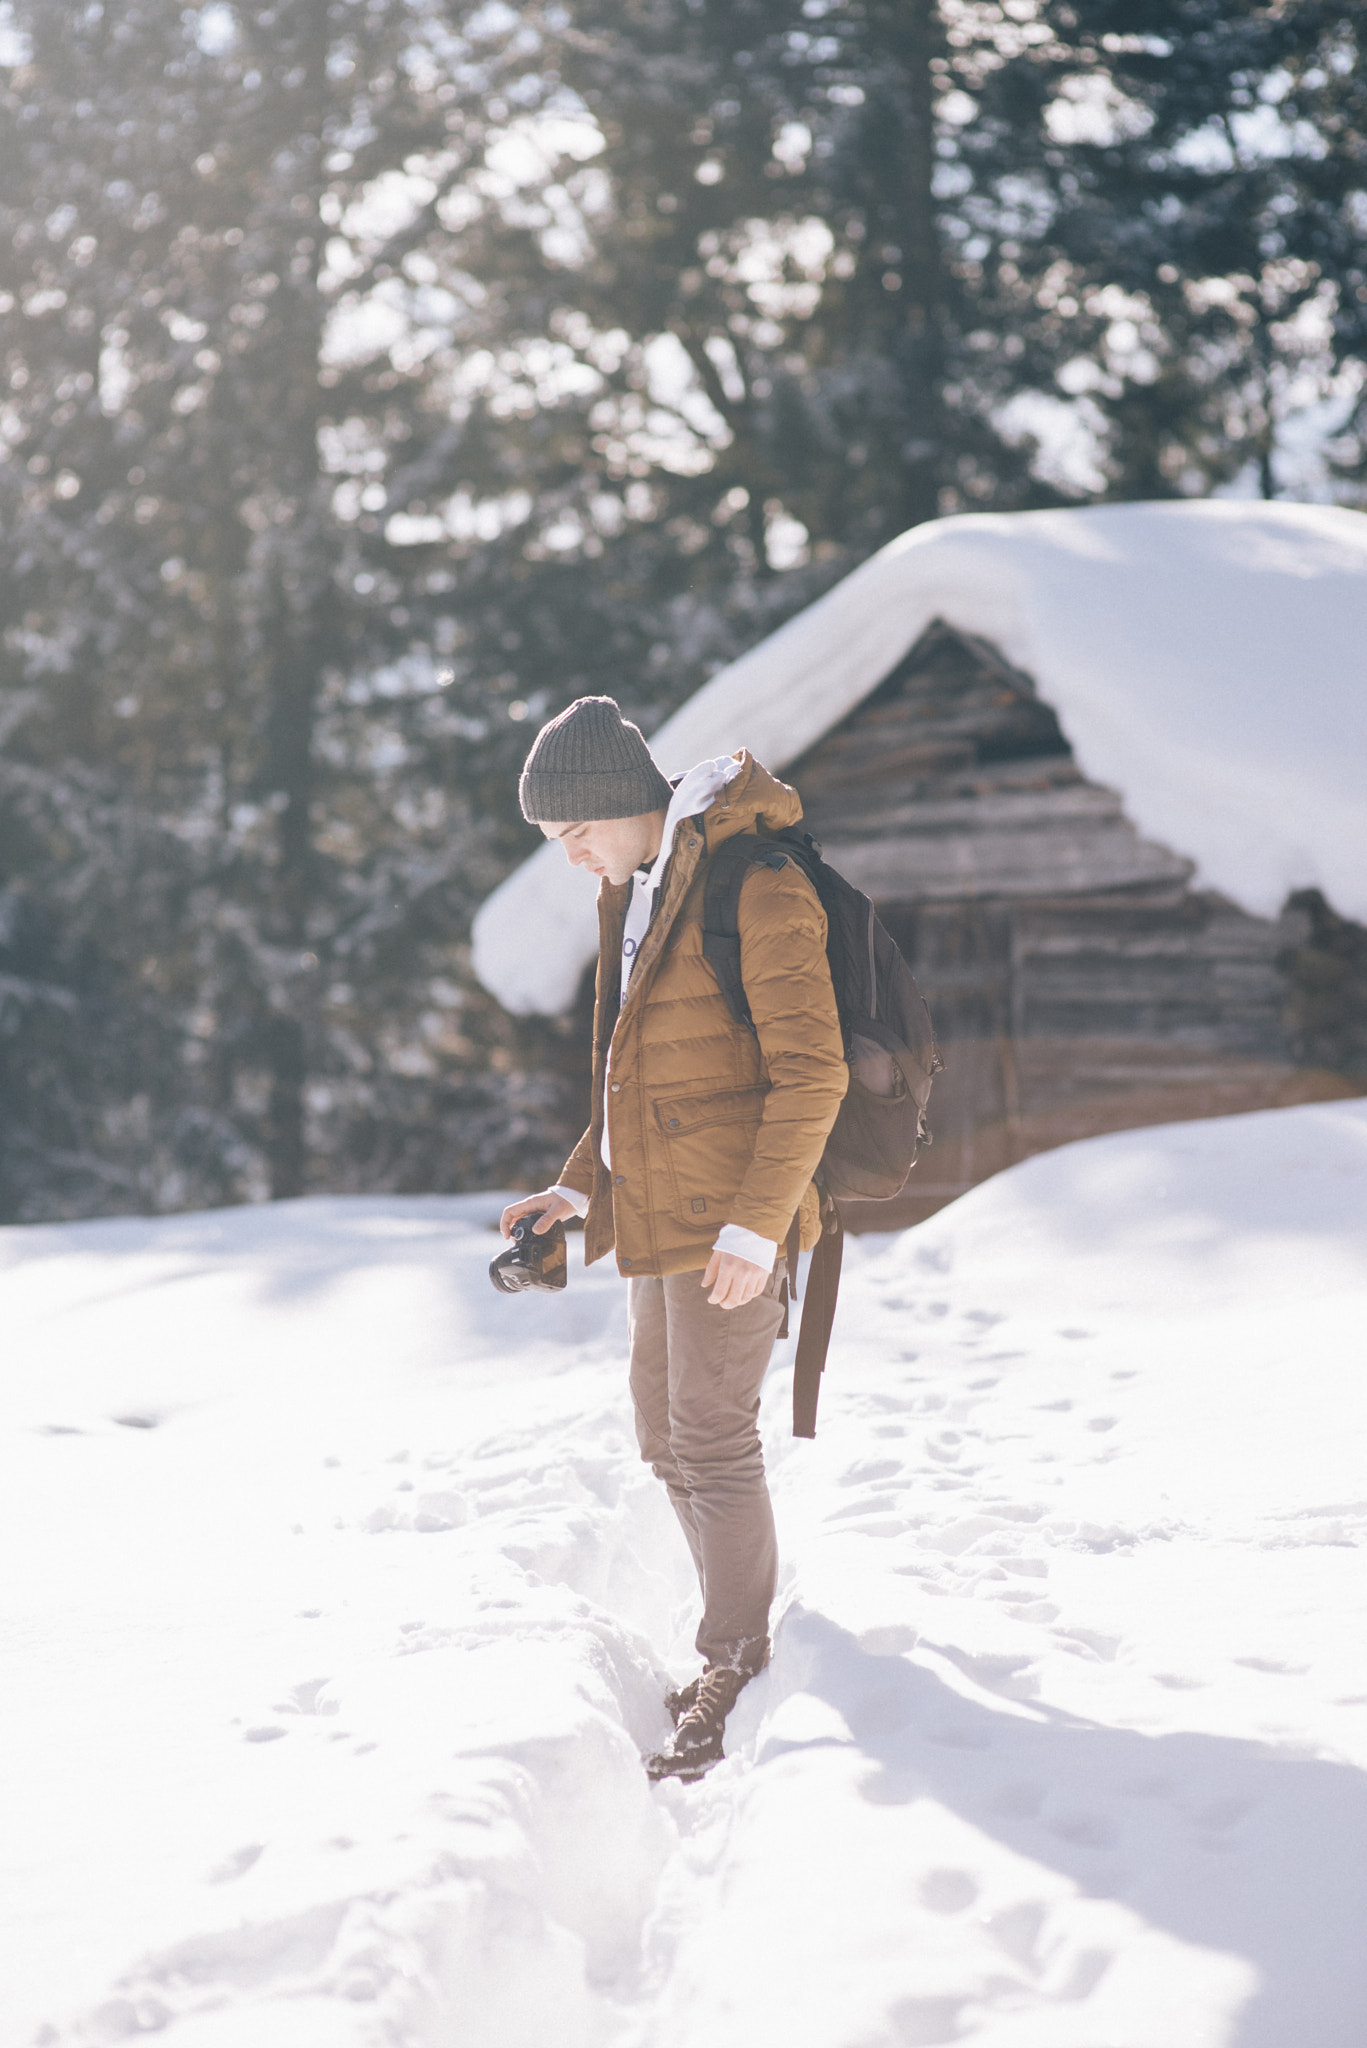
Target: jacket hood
755, 801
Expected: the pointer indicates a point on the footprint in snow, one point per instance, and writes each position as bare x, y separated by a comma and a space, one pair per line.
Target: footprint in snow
1013, 1677
1087, 1830
304, 1699
1087, 1642
959, 1735
869, 1469
238, 1863
1225, 1813
1086, 1973
924, 2022
949, 1891
1017, 1929
1018, 1801
1148, 1788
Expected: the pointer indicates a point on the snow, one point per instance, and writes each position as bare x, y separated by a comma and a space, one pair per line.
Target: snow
1208, 659
339, 1610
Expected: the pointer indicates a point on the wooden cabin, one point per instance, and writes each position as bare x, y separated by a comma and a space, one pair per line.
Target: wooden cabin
1078, 982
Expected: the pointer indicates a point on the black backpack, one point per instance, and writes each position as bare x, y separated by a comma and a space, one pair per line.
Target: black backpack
889, 1044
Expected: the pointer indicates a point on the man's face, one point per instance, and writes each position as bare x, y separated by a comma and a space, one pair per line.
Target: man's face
610, 847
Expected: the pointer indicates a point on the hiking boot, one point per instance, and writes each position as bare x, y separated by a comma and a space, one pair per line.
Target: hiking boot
700, 1724
748, 1657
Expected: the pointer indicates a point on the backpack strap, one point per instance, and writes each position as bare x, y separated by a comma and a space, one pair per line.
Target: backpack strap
726, 872
721, 949
818, 1314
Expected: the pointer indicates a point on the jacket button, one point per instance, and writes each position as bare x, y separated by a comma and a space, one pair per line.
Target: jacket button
626, 1262
616, 1087
619, 1180
673, 1123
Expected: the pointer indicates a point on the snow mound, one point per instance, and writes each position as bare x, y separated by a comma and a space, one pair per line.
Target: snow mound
346, 1606
1207, 659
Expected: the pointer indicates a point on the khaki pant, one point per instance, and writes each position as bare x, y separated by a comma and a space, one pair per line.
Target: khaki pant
695, 1382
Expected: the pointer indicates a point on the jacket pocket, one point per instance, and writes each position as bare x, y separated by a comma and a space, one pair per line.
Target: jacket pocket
681, 1115
709, 1143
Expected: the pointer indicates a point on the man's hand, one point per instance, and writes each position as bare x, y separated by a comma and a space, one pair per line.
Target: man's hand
733, 1281
548, 1207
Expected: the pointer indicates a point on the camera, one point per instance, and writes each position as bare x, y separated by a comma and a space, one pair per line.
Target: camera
532, 1261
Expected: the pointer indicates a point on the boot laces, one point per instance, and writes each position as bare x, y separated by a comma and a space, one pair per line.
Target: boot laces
703, 1720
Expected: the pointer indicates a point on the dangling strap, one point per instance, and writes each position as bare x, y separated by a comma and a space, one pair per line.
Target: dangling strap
792, 1253
818, 1314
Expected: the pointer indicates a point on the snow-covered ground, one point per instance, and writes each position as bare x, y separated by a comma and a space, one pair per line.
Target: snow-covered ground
338, 1610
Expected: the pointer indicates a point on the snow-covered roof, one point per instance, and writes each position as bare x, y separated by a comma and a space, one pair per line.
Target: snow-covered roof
1207, 659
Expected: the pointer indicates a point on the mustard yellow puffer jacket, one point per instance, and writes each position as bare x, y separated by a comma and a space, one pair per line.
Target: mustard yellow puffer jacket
711, 1123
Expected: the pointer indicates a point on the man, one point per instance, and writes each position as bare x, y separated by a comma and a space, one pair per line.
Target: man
702, 1146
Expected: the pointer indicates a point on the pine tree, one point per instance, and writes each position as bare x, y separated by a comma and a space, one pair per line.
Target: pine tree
209, 658
1201, 186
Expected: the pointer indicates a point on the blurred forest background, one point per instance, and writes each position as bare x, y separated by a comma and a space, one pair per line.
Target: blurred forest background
382, 374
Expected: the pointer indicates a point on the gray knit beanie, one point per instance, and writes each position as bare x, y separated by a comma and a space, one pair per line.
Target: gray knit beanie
590, 762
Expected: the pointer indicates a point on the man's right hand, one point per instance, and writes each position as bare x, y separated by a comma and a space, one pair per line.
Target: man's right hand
548, 1207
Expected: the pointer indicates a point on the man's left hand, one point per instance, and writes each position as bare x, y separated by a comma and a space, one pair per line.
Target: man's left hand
733, 1281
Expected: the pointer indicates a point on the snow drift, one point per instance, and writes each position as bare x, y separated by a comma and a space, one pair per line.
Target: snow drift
340, 1608
1207, 659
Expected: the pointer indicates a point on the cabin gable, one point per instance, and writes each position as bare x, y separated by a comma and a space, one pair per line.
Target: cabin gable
953, 780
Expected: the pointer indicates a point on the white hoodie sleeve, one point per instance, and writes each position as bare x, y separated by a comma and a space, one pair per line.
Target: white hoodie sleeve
747, 1245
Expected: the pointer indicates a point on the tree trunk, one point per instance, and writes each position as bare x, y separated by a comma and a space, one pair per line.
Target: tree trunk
285, 1114
296, 659
922, 341
908, 35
